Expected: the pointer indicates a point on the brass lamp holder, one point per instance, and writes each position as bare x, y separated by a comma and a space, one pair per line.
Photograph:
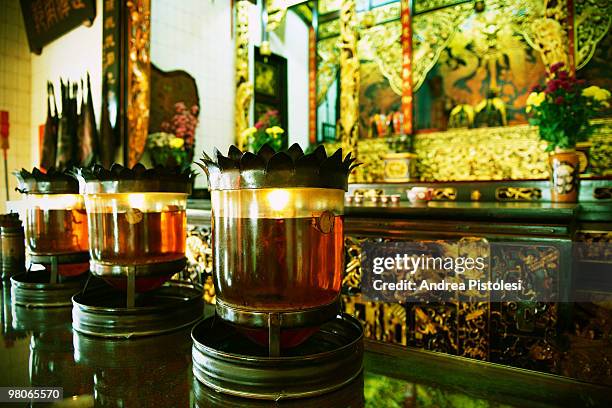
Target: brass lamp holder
275, 320
132, 272
58, 259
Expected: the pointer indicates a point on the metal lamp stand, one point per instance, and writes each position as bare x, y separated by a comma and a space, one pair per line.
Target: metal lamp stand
274, 321
57, 259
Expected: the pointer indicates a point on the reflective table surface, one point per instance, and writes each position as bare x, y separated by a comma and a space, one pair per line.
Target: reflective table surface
39, 348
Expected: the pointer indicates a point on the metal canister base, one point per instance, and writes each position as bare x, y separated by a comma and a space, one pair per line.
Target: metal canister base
351, 395
276, 320
102, 312
32, 289
286, 318
227, 362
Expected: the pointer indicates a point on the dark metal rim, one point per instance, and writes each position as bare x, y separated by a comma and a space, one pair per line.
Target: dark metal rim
270, 396
197, 295
232, 356
129, 334
282, 378
136, 186
42, 295
104, 269
287, 318
32, 186
23, 285
125, 323
62, 258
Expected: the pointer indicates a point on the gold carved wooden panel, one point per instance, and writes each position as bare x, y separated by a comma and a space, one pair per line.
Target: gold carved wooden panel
503, 153
138, 77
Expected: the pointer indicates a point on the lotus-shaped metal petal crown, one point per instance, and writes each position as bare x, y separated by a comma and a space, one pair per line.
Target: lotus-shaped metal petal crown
119, 179
51, 182
271, 169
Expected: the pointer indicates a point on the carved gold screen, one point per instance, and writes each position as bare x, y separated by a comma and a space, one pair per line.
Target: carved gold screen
379, 55
480, 52
593, 43
459, 54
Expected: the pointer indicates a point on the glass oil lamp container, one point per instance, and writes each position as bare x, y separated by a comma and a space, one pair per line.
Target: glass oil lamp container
137, 223
55, 222
277, 240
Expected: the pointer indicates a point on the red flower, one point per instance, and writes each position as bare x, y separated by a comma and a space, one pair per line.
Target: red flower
555, 67
559, 100
563, 74
552, 86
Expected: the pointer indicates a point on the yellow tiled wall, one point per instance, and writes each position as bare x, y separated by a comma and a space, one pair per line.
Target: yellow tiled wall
15, 92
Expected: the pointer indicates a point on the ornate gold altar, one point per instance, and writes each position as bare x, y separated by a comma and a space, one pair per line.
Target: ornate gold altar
505, 46
504, 153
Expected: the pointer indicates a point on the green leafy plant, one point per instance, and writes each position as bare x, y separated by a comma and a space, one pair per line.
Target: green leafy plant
266, 130
167, 150
562, 107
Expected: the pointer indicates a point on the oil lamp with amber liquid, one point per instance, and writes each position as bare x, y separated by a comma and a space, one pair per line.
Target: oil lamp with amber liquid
278, 256
137, 223
137, 237
56, 233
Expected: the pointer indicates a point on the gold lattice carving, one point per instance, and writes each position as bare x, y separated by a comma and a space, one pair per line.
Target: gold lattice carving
381, 321
328, 55
544, 28
600, 152
592, 20
518, 194
244, 87
421, 6
329, 28
138, 77
327, 6
382, 44
481, 154
445, 194
510, 153
432, 32
352, 271
276, 9
200, 259
349, 78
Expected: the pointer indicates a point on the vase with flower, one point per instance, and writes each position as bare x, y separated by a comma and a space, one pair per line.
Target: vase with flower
267, 130
174, 145
562, 108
